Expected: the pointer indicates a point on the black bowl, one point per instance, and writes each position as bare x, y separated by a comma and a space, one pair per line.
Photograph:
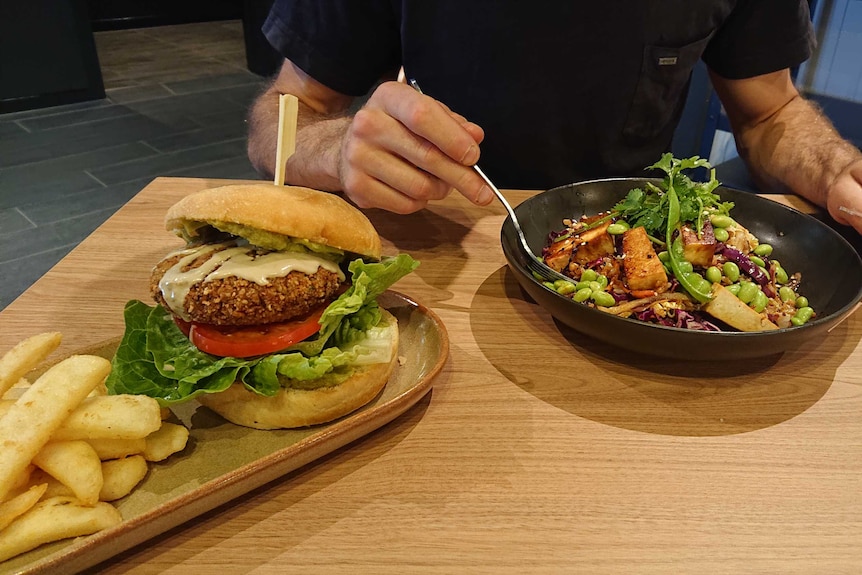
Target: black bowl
831, 273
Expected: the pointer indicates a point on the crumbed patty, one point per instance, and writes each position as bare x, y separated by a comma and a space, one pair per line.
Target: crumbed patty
237, 301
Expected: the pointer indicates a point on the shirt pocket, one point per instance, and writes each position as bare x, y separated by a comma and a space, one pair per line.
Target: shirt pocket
659, 95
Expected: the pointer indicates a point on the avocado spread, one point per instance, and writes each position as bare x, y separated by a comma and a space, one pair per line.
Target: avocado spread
275, 242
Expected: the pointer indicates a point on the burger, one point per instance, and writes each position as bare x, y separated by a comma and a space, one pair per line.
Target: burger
269, 314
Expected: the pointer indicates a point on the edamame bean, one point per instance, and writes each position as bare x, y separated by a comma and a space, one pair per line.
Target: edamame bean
787, 294
721, 234
734, 289
564, 287
589, 275
804, 313
713, 275
757, 261
700, 284
760, 301
582, 294
721, 221
797, 321
603, 281
781, 275
582, 285
596, 286
731, 271
550, 285
603, 298
618, 228
664, 256
801, 302
747, 292
763, 250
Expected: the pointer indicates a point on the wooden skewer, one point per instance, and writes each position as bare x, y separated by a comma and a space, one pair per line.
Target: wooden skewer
288, 107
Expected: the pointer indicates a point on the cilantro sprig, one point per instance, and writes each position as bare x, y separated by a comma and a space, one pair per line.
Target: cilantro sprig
649, 206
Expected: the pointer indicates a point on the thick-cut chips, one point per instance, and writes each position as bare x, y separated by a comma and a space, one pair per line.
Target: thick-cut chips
76, 465
67, 448
54, 519
112, 417
20, 504
121, 476
53, 488
107, 417
29, 423
22, 358
118, 448
169, 439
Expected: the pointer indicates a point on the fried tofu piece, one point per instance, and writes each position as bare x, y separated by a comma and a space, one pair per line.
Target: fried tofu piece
560, 253
734, 312
593, 244
698, 250
644, 271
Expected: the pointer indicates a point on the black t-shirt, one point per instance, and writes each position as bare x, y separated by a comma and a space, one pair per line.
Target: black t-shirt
564, 90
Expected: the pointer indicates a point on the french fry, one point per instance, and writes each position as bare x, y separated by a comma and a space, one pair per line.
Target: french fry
54, 519
26, 355
53, 488
121, 476
23, 481
15, 391
169, 439
118, 448
112, 417
67, 448
11, 509
100, 389
29, 423
76, 465
107, 417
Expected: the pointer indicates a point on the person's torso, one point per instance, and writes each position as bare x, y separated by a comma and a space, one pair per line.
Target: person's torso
601, 84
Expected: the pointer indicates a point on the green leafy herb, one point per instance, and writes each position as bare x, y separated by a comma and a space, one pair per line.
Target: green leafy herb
649, 207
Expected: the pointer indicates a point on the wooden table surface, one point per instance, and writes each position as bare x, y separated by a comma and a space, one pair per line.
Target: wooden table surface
537, 450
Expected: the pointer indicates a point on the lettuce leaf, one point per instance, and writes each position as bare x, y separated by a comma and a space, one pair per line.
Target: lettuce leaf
156, 359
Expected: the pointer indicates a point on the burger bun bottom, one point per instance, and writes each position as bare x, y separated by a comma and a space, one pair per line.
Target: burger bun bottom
291, 407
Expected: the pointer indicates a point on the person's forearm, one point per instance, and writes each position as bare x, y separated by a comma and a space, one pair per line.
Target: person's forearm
796, 149
318, 142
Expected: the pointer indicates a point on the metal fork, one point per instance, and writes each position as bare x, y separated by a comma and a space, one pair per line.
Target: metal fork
535, 264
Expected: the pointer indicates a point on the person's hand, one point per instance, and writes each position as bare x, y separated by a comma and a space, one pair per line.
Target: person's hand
404, 149
844, 196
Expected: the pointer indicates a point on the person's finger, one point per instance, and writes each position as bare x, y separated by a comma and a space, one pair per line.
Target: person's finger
845, 197
473, 129
368, 192
376, 127
429, 119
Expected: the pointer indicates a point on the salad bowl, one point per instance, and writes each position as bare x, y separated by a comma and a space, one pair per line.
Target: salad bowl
831, 273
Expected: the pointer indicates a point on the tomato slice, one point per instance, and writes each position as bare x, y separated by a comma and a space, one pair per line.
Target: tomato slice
249, 341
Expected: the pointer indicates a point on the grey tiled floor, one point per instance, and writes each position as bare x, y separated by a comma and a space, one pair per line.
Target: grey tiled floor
64, 170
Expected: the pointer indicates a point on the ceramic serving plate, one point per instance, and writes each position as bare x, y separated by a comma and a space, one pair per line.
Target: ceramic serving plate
831, 273
223, 461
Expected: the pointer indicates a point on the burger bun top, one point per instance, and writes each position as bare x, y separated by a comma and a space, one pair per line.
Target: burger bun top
293, 211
